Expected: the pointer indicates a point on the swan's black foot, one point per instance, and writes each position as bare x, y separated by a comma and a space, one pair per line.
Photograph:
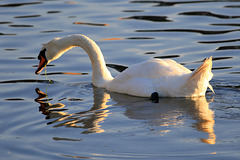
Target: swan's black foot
154, 97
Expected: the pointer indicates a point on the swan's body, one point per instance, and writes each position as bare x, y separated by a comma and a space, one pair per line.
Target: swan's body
166, 77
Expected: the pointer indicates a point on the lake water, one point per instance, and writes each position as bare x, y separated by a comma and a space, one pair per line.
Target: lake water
71, 119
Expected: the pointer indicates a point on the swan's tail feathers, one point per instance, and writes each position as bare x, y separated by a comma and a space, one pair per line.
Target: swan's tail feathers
201, 76
205, 67
211, 88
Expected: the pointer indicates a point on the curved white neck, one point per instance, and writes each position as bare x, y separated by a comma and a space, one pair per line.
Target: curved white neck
101, 74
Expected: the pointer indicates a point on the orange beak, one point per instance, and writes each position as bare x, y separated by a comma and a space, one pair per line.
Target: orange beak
42, 63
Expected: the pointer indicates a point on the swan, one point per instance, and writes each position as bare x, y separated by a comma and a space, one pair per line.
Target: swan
164, 77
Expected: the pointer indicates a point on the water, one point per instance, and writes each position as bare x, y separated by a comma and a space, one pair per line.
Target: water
71, 119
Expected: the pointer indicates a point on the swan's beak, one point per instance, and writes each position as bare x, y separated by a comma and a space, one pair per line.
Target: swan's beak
43, 61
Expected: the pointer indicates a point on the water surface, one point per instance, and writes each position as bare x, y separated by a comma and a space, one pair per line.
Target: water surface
69, 118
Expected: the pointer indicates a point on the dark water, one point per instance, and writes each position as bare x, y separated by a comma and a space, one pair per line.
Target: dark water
71, 119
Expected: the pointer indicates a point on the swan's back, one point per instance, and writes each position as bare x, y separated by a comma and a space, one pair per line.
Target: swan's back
153, 69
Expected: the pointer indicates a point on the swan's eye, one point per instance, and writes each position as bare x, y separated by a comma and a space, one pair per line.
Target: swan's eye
42, 53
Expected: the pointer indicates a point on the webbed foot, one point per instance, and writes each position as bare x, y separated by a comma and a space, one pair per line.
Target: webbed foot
154, 97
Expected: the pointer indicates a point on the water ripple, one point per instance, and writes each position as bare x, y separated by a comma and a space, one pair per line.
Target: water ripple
218, 68
228, 47
19, 4
21, 25
233, 6
226, 24
205, 32
27, 81
150, 18
7, 34
51, 31
5, 22
204, 13
28, 16
164, 3
52, 12
14, 99
223, 41
168, 56
91, 24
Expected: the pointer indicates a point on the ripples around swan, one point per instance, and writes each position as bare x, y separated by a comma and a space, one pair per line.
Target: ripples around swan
60, 115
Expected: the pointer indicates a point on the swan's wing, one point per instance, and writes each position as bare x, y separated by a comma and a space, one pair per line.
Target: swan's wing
140, 79
153, 69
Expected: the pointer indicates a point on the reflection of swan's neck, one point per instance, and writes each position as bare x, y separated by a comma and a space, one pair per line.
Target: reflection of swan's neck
101, 74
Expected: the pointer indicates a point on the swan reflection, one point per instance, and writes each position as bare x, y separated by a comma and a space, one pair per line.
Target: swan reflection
89, 119
174, 111
168, 112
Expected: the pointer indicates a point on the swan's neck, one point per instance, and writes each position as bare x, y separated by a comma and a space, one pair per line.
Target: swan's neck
101, 74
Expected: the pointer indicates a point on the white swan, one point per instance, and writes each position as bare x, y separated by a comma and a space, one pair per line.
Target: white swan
166, 77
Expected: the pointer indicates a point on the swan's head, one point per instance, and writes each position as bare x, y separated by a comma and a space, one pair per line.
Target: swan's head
51, 51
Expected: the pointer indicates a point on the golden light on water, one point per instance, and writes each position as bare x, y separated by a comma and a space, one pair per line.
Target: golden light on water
112, 39
91, 24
